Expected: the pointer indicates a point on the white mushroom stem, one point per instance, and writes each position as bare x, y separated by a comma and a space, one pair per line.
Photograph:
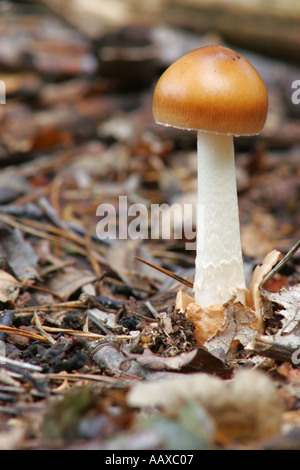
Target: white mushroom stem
219, 265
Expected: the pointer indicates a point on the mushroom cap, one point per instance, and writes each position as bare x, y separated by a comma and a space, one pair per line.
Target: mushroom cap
212, 89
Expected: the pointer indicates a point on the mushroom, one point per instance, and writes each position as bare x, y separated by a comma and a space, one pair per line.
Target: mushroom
218, 93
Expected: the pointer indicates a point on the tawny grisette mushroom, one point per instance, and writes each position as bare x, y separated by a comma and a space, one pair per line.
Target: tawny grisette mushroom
218, 93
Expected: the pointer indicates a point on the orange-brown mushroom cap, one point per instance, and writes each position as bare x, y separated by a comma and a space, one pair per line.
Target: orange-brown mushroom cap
212, 89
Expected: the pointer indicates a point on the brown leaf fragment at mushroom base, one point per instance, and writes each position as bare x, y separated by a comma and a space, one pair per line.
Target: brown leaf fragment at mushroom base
222, 325
253, 296
240, 325
208, 321
218, 326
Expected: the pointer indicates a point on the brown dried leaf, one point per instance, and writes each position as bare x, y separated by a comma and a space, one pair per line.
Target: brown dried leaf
208, 321
9, 287
20, 254
68, 280
183, 300
219, 325
253, 296
121, 258
239, 325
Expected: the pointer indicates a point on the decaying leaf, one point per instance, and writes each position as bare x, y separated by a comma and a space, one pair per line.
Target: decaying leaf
68, 280
121, 257
289, 300
253, 296
20, 254
108, 320
9, 287
240, 325
220, 326
208, 321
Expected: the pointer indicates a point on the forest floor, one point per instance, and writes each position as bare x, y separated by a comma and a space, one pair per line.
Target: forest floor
96, 351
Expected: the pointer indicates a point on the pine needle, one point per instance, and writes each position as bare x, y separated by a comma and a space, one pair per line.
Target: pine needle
168, 273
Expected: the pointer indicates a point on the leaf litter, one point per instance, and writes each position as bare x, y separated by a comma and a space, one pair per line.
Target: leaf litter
97, 349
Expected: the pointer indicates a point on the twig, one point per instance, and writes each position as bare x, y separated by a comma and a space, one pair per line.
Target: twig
20, 364
20, 312
61, 237
142, 317
281, 263
29, 228
42, 289
56, 267
151, 309
51, 329
42, 330
278, 348
51, 213
78, 376
28, 334
168, 273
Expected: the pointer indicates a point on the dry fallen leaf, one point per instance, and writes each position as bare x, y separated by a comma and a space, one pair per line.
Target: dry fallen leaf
20, 255
253, 296
289, 300
9, 287
121, 258
221, 326
69, 280
208, 321
239, 326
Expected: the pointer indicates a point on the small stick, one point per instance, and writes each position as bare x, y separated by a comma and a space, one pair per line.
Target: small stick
42, 330
281, 263
281, 348
168, 273
17, 331
51, 329
151, 308
20, 364
19, 312
78, 376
